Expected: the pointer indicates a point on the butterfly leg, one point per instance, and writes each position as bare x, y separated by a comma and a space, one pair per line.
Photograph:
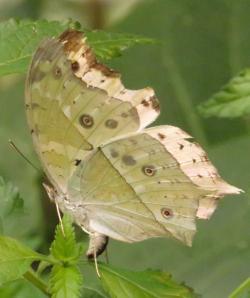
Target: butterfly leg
52, 193
60, 218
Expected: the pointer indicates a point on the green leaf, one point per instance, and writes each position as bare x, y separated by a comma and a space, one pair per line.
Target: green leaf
10, 201
93, 292
20, 289
121, 283
9, 197
243, 291
107, 45
15, 259
65, 282
19, 39
232, 101
64, 248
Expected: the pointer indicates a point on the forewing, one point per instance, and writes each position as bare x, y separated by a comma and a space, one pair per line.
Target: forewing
74, 104
151, 184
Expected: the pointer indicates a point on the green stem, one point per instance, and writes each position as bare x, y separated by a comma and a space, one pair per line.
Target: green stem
240, 289
36, 281
183, 97
234, 38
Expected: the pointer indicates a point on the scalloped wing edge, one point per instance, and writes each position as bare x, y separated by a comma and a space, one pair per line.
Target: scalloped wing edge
94, 74
194, 162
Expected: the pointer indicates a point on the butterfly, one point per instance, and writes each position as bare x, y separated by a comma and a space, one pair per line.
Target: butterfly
114, 176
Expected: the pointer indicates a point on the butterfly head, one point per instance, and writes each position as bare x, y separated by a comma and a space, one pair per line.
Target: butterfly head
52, 192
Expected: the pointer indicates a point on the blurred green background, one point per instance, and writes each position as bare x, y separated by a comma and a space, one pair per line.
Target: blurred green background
204, 44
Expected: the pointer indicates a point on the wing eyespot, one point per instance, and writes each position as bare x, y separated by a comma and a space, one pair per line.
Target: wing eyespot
149, 170
86, 121
111, 123
114, 153
124, 115
166, 213
128, 160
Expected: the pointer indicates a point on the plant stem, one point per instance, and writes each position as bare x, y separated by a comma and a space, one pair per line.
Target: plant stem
36, 281
244, 286
183, 97
96, 13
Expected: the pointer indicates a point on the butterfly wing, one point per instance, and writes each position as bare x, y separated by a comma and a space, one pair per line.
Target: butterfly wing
74, 104
151, 184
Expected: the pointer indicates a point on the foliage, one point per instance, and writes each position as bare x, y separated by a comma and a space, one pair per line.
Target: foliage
19, 39
65, 278
65, 282
121, 283
64, 247
205, 43
9, 197
243, 291
15, 259
10, 201
233, 100
108, 45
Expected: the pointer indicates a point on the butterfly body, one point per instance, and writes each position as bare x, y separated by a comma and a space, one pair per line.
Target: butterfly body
115, 177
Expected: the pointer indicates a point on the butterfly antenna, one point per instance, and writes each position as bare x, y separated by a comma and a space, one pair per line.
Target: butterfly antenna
13, 146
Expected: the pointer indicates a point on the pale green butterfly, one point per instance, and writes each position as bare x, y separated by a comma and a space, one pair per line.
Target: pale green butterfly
114, 177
